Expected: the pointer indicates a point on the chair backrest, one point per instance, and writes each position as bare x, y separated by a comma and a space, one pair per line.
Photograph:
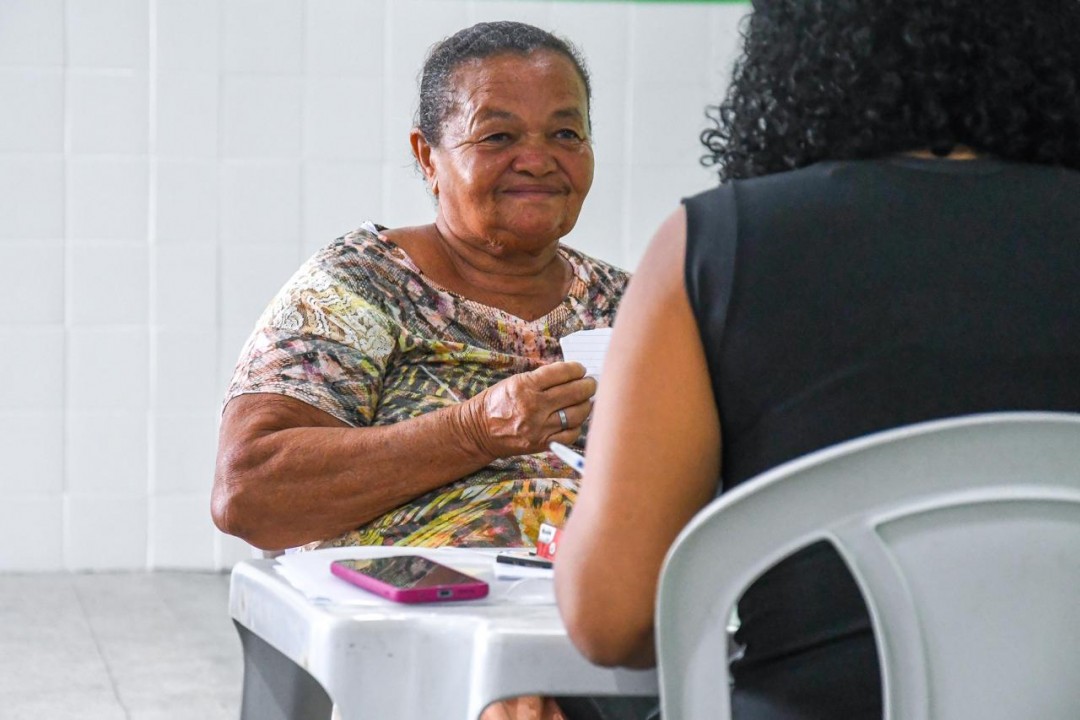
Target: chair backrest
964, 536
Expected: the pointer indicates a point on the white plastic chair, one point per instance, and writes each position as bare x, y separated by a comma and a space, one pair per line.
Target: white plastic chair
964, 536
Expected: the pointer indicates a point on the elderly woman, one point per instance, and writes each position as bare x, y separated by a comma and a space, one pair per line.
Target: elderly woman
895, 241
403, 386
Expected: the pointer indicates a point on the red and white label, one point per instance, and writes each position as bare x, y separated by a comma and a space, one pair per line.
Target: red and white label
547, 542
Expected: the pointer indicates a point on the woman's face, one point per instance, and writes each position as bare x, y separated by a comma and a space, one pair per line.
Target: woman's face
515, 161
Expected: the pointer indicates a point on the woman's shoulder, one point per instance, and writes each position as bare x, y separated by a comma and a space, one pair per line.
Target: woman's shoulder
364, 245
358, 258
357, 269
785, 189
596, 272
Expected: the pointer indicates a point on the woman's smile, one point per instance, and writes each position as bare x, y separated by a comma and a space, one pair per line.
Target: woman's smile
534, 192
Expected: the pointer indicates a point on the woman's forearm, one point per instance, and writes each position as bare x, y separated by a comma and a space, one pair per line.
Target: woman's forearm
288, 474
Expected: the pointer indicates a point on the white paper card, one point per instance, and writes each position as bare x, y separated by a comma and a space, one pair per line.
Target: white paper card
587, 347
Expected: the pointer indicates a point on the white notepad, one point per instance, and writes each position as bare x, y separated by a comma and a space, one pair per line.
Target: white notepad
587, 347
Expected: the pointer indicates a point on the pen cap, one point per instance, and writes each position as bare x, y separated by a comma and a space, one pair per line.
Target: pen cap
568, 456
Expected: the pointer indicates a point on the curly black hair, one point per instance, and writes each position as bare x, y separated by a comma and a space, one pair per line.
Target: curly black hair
480, 41
846, 79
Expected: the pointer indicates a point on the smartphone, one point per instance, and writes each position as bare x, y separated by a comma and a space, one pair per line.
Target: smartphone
409, 579
525, 558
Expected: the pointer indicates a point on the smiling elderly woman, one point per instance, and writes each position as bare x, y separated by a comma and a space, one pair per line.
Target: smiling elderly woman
402, 388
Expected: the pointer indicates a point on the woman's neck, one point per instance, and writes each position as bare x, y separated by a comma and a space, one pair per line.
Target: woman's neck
526, 285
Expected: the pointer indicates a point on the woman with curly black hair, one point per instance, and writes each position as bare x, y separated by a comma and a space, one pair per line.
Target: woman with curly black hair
896, 239
851, 79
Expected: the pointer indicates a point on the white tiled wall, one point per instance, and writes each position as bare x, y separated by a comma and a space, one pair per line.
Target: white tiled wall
164, 167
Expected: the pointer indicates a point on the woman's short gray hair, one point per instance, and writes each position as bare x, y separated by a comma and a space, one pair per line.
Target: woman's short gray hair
480, 41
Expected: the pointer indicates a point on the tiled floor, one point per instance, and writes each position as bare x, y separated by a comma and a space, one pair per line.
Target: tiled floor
139, 646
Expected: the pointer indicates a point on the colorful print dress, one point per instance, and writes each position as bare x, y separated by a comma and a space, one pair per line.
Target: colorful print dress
360, 333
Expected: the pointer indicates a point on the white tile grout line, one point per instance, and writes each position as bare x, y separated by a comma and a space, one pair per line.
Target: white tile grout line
152, 273
65, 362
626, 230
219, 560
302, 165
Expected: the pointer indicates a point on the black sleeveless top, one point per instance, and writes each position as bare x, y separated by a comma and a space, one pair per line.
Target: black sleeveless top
850, 297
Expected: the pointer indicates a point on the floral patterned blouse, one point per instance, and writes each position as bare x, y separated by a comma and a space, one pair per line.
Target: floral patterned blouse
360, 333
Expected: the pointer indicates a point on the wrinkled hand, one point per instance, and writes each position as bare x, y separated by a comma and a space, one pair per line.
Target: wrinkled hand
519, 415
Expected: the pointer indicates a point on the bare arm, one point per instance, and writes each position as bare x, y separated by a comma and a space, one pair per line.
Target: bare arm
288, 473
653, 462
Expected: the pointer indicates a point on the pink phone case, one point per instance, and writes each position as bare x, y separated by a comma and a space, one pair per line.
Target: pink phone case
445, 583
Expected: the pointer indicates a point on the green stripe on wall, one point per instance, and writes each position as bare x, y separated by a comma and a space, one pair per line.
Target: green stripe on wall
667, 2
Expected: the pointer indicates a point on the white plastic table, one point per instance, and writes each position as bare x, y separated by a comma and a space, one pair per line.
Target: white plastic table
376, 659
